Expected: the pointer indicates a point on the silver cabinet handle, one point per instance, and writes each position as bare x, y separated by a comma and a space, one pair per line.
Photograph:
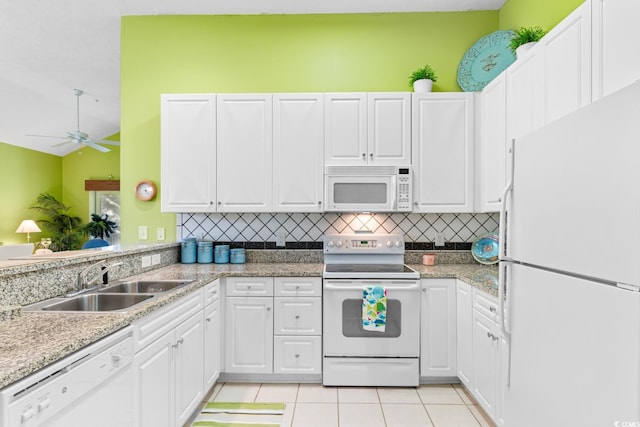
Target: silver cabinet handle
364, 156
297, 287
219, 202
181, 341
371, 155
415, 203
297, 316
208, 319
268, 308
248, 287
492, 309
319, 202
297, 355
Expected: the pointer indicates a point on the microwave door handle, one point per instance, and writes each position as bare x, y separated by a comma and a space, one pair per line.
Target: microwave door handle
394, 193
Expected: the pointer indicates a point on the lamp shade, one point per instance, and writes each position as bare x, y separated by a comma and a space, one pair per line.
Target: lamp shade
28, 226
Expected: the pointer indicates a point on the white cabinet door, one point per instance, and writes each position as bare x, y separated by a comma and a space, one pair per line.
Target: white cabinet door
438, 328
244, 139
297, 316
345, 134
442, 151
616, 57
249, 335
298, 152
153, 384
493, 142
212, 344
485, 352
188, 153
524, 95
566, 65
189, 367
389, 128
464, 328
297, 355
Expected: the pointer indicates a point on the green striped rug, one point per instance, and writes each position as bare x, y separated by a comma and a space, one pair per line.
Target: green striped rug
240, 414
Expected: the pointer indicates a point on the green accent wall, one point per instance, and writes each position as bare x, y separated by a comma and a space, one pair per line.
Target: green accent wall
24, 174
84, 164
544, 13
269, 53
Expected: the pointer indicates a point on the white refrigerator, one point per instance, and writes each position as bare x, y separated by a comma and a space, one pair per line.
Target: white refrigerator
570, 270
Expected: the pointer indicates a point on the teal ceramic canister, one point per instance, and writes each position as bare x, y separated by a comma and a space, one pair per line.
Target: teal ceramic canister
221, 254
237, 256
205, 252
188, 250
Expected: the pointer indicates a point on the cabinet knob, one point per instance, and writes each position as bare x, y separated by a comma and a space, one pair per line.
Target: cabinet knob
297, 355
208, 319
371, 155
268, 308
492, 309
490, 335
424, 290
499, 199
297, 287
364, 156
415, 203
249, 287
219, 202
297, 316
180, 341
319, 202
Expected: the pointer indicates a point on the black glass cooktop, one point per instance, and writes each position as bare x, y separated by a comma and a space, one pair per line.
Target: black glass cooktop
367, 268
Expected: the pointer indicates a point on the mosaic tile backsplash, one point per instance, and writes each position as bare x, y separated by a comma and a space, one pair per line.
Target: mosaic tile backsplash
305, 230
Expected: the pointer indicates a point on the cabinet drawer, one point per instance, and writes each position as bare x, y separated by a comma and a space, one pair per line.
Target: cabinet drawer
249, 286
297, 355
297, 316
212, 292
298, 286
486, 304
149, 328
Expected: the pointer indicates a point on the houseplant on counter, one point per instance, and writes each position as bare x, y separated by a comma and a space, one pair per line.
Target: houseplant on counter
100, 227
525, 39
422, 79
65, 229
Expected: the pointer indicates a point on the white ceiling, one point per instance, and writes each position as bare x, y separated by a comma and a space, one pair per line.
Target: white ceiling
48, 48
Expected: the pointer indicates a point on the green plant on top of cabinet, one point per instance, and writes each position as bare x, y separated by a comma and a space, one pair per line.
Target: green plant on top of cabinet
188, 152
368, 129
442, 152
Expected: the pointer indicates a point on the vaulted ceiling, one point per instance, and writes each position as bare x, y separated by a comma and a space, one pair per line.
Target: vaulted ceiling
48, 48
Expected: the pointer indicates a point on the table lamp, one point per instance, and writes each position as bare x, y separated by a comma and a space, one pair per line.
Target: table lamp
28, 226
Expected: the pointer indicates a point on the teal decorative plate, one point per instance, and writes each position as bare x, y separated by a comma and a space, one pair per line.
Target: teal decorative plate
485, 60
485, 249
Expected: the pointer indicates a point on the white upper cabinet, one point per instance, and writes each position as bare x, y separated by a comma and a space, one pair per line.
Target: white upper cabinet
616, 57
493, 141
244, 137
298, 152
442, 151
565, 54
524, 96
188, 153
368, 129
345, 128
389, 129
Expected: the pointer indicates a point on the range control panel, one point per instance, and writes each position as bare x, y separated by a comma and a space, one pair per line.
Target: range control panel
362, 243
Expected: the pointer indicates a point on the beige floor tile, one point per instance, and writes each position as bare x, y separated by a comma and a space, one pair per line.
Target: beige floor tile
464, 394
405, 415
285, 393
358, 395
451, 416
398, 395
360, 415
237, 392
287, 417
481, 416
316, 415
439, 394
316, 393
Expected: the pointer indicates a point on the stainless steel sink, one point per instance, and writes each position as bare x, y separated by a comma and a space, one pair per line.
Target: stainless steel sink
145, 286
97, 302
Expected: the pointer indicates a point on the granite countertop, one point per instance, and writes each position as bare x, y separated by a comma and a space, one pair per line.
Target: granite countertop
34, 340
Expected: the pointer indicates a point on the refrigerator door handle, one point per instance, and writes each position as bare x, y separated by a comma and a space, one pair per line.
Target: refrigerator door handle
502, 238
503, 307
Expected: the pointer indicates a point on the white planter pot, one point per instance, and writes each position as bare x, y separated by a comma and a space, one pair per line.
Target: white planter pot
422, 85
524, 48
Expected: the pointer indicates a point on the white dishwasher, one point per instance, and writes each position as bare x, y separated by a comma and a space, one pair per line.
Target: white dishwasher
91, 387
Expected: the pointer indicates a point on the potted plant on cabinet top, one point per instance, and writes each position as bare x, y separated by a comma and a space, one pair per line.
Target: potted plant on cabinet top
525, 39
422, 79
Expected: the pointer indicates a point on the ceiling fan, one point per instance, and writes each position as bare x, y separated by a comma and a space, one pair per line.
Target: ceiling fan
79, 137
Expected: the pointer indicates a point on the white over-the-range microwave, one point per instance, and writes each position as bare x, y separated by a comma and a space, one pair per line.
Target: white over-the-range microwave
368, 189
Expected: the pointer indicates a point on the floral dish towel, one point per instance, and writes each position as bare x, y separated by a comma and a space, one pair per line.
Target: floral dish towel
374, 308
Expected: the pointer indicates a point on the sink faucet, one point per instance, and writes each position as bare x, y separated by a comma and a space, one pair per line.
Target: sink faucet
84, 282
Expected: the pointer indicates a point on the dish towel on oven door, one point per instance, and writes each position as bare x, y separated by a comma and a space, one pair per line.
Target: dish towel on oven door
374, 308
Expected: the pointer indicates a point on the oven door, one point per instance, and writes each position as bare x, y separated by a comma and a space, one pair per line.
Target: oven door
343, 333
368, 193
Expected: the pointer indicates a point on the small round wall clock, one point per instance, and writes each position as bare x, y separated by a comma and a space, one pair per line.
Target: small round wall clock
146, 190
486, 59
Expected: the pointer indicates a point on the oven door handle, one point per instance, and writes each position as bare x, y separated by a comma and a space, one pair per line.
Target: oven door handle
393, 287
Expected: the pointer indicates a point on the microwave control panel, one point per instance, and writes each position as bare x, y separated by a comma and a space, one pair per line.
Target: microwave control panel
404, 190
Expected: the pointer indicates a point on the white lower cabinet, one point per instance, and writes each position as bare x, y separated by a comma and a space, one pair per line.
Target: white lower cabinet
438, 328
212, 335
169, 363
248, 343
485, 353
464, 327
297, 342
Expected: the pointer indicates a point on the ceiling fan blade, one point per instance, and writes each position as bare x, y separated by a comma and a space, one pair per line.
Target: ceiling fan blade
97, 147
105, 141
49, 136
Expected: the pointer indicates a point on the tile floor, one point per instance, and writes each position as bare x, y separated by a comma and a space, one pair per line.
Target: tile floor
310, 405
